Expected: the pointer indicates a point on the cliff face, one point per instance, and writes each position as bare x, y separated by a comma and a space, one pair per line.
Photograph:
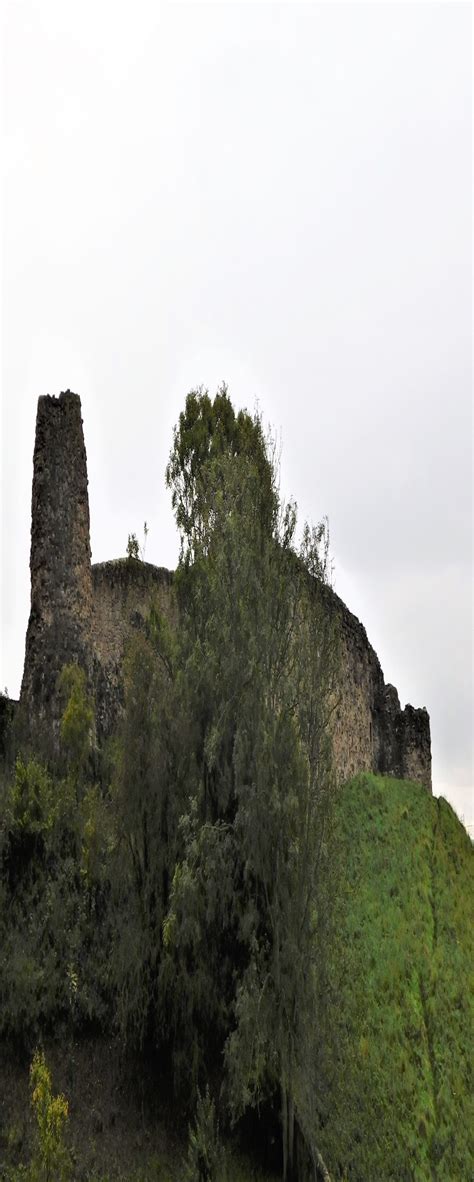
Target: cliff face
86, 614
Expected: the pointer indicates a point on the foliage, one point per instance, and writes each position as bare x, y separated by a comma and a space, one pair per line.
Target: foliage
53, 930
206, 1158
133, 547
208, 434
211, 897
146, 807
77, 718
51, 1162
258, 658
32, 806
134, 550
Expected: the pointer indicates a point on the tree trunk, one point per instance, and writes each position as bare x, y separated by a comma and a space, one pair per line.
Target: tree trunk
320, 1168
309, 1163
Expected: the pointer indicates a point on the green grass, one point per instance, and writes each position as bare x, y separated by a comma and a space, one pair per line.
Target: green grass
399, 1040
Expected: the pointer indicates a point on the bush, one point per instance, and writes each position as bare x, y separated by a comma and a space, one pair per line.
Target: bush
206, 1157
51, 1161
53, 905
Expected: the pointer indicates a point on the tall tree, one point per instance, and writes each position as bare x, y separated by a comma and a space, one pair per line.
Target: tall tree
219, 596
259, 663
207, 434
147, 806
285, 789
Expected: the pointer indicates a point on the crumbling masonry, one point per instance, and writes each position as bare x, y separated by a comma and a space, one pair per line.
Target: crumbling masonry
86, 613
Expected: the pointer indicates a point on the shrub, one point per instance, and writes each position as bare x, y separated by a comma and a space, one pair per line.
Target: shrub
206, 1157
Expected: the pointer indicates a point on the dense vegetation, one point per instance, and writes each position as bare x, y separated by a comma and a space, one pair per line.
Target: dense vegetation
288, 963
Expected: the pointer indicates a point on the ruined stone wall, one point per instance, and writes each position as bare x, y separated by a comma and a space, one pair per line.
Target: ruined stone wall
124, 591
8, 707
355, 734
405, 740
371, 731
59, 628
87, 615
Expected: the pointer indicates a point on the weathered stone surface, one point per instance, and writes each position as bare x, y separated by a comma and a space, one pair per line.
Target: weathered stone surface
87, 614
405, 740
8, 708
356, 739
124, 591
371, 731
59, 628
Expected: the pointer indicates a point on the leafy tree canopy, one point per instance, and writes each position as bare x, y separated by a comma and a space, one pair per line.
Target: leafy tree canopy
208, 433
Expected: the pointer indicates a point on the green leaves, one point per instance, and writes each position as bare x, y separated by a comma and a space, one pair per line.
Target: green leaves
209, 438
77, 721
258, 655
206, 1160
32, 803
53, 929
52, 1161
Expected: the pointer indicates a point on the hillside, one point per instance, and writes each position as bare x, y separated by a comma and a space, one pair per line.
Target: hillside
200, 927
400, 1039
397, 1046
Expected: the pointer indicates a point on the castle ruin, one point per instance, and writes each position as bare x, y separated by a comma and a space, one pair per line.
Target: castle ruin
86, 613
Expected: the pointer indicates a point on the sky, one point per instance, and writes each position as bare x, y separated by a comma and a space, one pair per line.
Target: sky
279, 197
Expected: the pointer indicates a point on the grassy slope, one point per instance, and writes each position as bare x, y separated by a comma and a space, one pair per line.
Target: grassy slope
399, 1044
401, 1026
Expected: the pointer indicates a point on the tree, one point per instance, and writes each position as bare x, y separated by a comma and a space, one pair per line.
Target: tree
54, 836
258, 660
284, 781
147, 805
209, 433
77, 721
52, 1160
133, 547
206, 1158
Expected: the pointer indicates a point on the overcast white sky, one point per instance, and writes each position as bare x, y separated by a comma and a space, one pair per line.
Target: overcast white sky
278, 196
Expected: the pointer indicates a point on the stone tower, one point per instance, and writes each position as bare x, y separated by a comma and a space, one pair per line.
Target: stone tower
59, 628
